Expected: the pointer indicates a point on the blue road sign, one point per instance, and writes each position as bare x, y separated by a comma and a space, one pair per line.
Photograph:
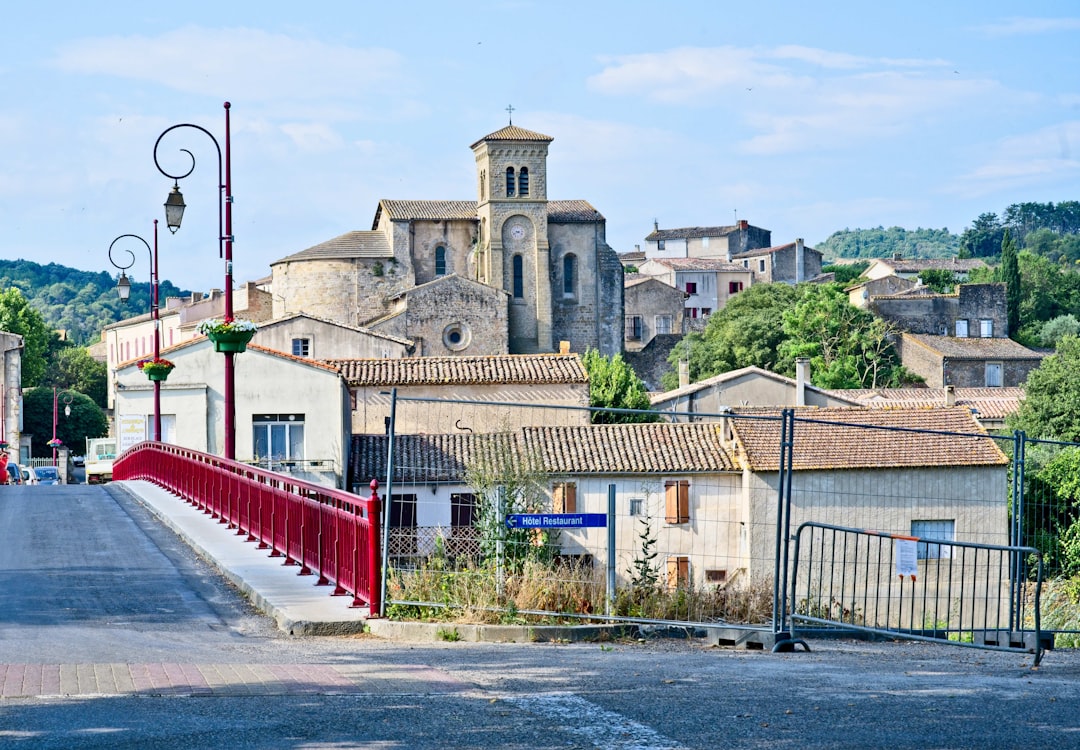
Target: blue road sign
556, 521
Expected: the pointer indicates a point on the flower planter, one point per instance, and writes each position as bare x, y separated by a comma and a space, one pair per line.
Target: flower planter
157, 374
230, 341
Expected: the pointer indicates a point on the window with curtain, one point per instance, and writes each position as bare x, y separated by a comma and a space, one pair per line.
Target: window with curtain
278, 437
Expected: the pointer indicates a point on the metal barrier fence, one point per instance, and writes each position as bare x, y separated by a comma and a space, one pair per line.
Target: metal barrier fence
329, 533
704, 504
956, 593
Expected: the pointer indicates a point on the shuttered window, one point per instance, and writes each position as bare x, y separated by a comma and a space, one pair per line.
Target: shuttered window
564, 496
678, 572
677, 501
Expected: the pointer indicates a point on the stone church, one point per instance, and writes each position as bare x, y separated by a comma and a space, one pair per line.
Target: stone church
508, 272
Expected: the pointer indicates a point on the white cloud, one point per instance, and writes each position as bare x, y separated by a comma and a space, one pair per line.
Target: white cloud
1019, 26
312, 136
266, 67
1045, 156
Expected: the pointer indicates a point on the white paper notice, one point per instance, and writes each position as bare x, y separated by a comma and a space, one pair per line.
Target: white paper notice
907, 557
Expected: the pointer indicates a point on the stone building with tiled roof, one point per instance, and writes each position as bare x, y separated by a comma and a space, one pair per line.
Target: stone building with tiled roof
963, 362
791, 263
705, 242
466, 393
708, 491
990, 406
910, 268
546, 263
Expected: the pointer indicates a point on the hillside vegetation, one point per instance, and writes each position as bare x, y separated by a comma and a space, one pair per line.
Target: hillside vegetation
79, 302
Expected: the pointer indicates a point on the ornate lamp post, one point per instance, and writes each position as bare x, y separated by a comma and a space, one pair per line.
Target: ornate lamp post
174, 213
59, 398
123, 288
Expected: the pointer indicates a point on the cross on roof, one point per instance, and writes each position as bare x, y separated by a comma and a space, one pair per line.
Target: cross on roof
510, 109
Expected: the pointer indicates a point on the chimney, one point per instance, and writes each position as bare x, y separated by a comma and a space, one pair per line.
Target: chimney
802, 377
637, 248
897, 256
564, 347
684, 373
744, 224
799, 259
950, 395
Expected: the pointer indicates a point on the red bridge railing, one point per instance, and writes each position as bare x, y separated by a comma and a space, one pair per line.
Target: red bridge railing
329, 533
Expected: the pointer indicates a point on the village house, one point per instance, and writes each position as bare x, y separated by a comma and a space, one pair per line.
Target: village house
792, 263
292, 413
967, 362
910, 268
704, 242
466, 394
707, 492
708, 283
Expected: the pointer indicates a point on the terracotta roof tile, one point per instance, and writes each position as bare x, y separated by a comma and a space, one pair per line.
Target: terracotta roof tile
988, 403
972, 348
348, 245
854, 438
514, 133
700, 264
399, 210
662, 447
424, 458
503, 368
687, 233
914, 265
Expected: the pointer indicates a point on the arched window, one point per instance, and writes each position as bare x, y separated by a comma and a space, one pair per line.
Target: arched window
440, 261
523, 181
519, 277
569, 275
509, 182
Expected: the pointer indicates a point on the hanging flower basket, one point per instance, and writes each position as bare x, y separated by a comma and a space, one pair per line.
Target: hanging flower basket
231, 336
55, 443
156, 369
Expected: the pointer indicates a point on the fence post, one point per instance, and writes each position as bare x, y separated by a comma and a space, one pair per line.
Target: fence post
610, 549
375, 578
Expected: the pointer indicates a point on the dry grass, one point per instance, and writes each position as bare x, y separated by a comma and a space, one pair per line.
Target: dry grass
565, 592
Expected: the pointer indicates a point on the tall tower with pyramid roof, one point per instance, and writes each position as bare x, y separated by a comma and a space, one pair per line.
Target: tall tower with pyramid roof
512, 243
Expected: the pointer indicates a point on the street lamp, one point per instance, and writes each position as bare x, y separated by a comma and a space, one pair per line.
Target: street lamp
174, 214
59, 398
123, 288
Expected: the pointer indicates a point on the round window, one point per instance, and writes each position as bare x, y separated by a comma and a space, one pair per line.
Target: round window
456, 337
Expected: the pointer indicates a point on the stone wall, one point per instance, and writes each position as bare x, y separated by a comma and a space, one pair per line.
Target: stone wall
937, 314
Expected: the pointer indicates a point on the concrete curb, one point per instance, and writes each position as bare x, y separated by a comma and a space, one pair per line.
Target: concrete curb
456, 631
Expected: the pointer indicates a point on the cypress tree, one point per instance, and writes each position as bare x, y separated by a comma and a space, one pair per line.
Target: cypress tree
1010, 274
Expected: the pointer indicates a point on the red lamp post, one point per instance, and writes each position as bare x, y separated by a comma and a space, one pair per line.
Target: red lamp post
174, 213
58, 398
123, 288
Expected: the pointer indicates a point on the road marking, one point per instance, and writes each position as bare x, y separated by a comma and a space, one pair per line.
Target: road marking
600, 727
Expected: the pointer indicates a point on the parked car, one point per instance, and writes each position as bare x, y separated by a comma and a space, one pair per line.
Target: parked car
47, 475
29, 475
77, 460
14, 474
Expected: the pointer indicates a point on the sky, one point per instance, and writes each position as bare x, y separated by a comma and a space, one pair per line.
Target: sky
802, 118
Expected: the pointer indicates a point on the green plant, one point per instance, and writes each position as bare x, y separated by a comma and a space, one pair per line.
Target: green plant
215, 326
377, 269
451, 635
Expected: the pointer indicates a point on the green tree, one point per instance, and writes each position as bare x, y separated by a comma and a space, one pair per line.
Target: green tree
845, 273
847, 347
1058, 328
1051, 405
941, 280
746, 332
73, 368
613, 384
86, 420
983, 239
1010, 274
17, 316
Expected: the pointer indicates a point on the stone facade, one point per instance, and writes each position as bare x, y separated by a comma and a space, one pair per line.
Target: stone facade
11, 345
980, 306
313, 338
653, 308
560, 279
967, 362
791, 263
448, 316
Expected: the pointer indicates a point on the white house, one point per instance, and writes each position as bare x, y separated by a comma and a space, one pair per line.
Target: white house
292, 414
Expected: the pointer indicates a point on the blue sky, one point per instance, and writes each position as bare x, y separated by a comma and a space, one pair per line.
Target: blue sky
802, 119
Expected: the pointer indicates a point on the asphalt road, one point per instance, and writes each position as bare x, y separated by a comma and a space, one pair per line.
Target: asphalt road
114, 635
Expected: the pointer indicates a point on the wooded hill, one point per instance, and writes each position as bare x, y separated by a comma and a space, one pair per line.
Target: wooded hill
80, 302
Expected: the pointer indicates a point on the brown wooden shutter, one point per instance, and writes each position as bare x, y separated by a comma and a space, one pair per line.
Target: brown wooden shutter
677, 501
564, 497
678, 572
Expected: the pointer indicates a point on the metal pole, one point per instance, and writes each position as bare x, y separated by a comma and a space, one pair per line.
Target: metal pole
230, 364
54, 424
610, 550
387, 499
156, 314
